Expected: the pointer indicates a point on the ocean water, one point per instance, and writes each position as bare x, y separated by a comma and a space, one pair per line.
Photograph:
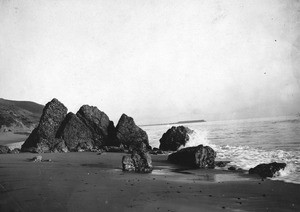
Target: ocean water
247, 143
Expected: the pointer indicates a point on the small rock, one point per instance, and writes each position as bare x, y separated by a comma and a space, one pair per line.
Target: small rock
4, 149
232, 168
221, 164
15, 151
37, 158
137, 162
267, 170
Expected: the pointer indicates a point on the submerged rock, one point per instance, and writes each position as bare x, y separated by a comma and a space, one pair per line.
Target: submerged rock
267, 170
137, 162
43, 137
4, 149
174, 138
97, 122
130, 135
197, 157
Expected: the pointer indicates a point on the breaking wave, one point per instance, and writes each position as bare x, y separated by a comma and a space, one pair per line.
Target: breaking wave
246, 157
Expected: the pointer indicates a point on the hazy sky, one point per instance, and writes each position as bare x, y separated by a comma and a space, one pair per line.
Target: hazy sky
155, 60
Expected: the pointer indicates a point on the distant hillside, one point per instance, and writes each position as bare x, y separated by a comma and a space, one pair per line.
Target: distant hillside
190, 121
19, 116
179, 122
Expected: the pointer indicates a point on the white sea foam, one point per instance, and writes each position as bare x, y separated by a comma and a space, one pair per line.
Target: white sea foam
196, 138
246, 157
247, 143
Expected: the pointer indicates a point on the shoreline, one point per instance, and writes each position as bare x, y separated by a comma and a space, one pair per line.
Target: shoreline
14, 145
79, 181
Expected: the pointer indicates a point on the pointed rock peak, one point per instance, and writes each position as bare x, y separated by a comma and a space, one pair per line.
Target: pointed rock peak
87, 111
97, 121
43, 137
54, 103
125, 118
70, 115
129, 134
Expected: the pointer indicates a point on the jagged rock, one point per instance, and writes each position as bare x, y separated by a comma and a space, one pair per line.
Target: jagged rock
15, 151
197, 157
60, 147
43, 137
267, 170
130, 135
85, 146
97, 122
138, 162
74, 132
4, 149
174, 138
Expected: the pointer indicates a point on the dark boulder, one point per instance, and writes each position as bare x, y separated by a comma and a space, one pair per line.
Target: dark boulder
137, 162
43, 137
113, 149
4, 149
15, 151
196, 157
232, 168
267, 170
85, 146
74, 132
221, 164
174, 138
156, 151
130, 135
97, 122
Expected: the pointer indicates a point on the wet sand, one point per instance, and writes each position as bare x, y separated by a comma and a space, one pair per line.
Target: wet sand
85, 181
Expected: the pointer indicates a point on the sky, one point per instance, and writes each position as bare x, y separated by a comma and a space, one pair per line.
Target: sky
155, 60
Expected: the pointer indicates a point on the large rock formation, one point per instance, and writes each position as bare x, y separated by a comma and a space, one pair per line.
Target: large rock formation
196, 157
43, 137
137, 162
174, 138
267, 170
75, 133
97, 122
130, 135
89, 129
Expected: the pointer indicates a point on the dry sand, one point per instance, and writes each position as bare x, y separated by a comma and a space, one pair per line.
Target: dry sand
89, 182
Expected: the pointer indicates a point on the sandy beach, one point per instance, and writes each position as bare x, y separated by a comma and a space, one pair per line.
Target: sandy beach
86, 181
